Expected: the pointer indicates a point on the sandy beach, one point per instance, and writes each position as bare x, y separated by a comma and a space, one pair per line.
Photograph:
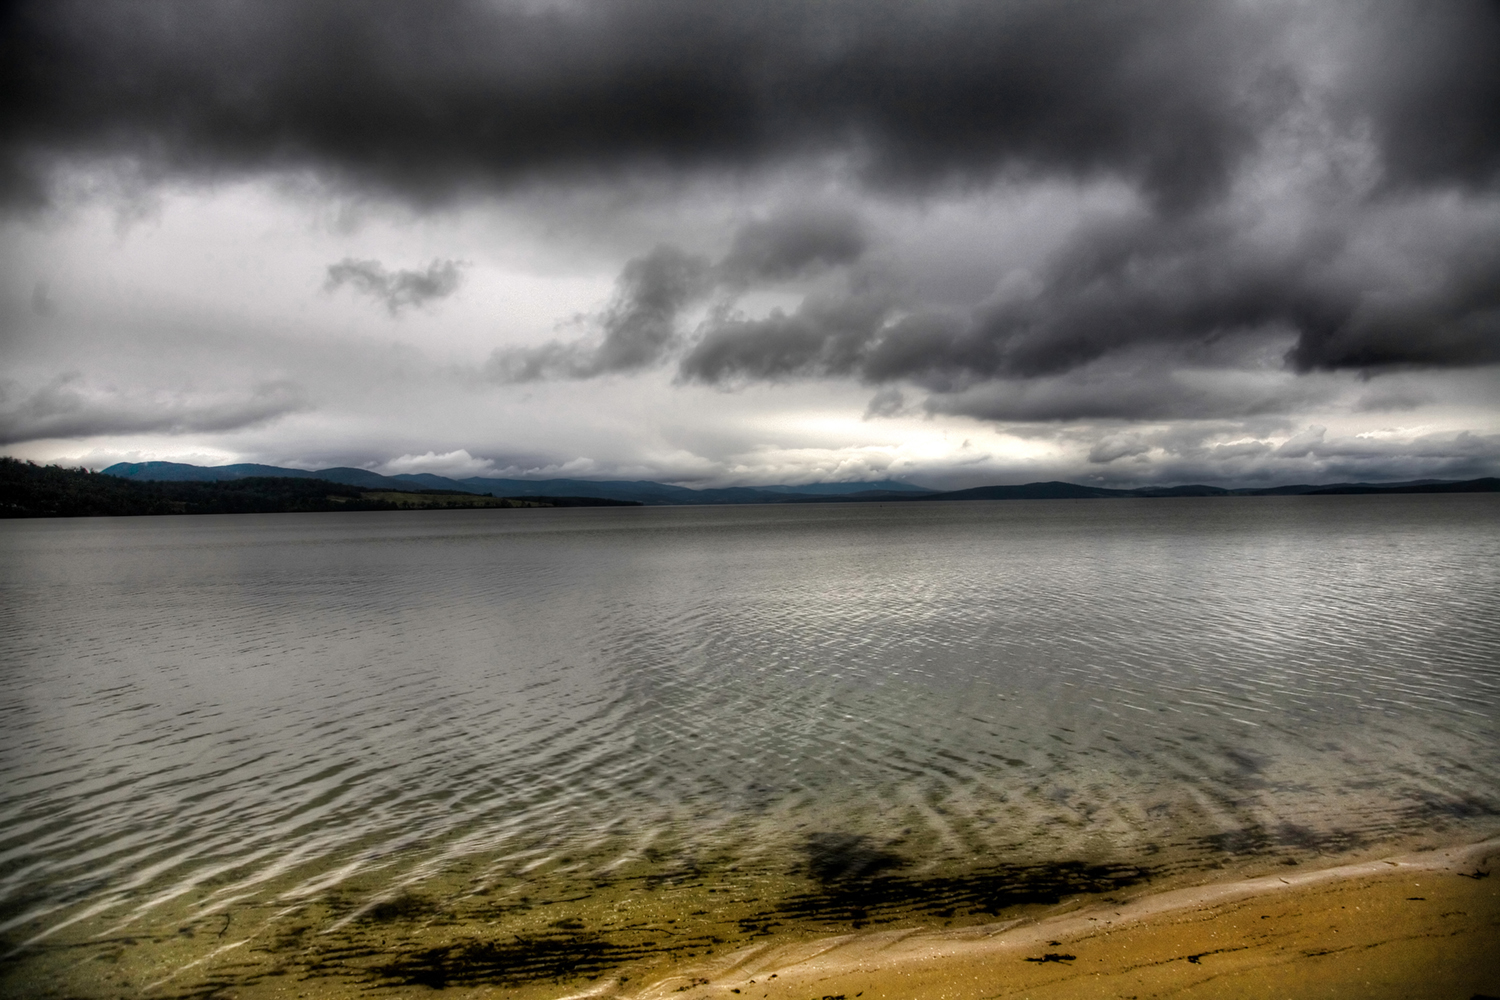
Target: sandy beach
1414, 926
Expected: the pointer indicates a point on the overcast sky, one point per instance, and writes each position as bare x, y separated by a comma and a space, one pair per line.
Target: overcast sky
748, 243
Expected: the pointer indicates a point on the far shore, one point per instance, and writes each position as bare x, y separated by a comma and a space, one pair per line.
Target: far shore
1413, 926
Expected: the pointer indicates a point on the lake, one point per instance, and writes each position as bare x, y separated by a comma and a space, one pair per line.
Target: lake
543, 749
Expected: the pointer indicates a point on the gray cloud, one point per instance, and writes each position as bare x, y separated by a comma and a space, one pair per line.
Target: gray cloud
1146, 385
636, 331
397, 289
827, 335
1187, 456
1116, 446
793, 242
68, 406
888, 402
639, 328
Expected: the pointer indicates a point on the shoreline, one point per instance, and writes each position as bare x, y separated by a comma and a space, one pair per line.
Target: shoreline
1416, 924
1413, 925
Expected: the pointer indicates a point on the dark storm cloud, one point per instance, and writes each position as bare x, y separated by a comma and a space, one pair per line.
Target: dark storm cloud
1193, 281
397, 289
1427, 78
1185, 281
69, 407
1456, 321
428, 100
637, 330
432, 98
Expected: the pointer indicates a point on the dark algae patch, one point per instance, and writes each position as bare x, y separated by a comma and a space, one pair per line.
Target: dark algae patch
566, 950
839, 858
515, 962
859, 884
885, 898
407, 906
1257, 840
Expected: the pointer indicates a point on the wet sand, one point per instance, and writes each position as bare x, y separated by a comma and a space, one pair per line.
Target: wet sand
1415, 926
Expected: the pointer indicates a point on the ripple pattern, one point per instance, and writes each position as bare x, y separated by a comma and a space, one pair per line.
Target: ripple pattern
200, 712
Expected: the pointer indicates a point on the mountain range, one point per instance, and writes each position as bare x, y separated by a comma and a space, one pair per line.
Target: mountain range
642, 491
653, 493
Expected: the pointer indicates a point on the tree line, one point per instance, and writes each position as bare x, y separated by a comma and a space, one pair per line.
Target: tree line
30, 490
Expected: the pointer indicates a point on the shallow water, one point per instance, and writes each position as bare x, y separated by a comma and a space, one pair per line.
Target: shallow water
528, 747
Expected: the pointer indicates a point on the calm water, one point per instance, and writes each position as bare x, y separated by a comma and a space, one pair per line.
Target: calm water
526, 747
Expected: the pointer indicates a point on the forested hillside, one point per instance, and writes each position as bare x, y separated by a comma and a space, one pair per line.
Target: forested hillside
28, 490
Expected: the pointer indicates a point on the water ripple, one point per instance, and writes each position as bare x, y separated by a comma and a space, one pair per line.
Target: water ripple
197, 712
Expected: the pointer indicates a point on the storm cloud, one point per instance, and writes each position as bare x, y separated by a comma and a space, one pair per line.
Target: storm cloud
1188, 282
430, 100
1045, 218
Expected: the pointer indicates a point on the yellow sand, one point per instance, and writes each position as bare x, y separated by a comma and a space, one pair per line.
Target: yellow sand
1416, 926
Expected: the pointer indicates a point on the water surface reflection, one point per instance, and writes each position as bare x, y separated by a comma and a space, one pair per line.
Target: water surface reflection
327, 737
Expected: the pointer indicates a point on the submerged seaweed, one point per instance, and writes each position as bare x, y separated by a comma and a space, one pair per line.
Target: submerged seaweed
857, 884
521, 960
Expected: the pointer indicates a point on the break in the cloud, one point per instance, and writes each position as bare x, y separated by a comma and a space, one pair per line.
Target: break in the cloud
1113, 229
457, 464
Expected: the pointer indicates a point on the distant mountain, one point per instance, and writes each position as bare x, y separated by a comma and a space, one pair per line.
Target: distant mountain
177, 472
1072, 491
639, 491
656, 494
1031, 491
1487, 485
844, 489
